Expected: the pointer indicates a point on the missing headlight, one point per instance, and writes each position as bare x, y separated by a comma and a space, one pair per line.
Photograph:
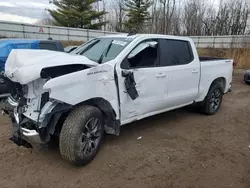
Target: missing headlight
25, 89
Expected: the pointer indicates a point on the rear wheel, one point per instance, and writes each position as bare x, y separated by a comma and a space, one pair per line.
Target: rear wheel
81, 135
213, 100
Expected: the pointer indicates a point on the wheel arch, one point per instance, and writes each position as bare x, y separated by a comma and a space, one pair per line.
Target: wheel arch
54, 121
205, 104
112, 125
220, 80
206, 86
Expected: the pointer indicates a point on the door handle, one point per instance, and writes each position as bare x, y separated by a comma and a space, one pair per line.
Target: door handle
195, 71
161, 75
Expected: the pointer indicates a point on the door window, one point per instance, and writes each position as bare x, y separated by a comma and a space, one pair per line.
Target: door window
175, 52
143, 55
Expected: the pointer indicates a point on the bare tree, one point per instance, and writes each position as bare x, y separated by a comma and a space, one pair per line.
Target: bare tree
168, 7
104, 16
232, 18
194, 13
190, 17
222, 19
239, 16
176, 22
209, 21
154, 17
118, 7
46, 20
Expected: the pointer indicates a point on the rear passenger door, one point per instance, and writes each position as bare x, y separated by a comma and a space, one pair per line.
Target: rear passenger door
182, 70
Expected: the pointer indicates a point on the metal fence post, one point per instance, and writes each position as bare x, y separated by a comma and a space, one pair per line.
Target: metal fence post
49, 31
214, 42
23, 31
88, 34
232, 42
68, 34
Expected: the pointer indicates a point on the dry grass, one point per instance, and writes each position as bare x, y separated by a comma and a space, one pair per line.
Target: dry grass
240, 55
72, 43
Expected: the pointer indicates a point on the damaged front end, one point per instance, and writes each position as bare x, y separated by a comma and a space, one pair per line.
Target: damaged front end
34, 120
33, 113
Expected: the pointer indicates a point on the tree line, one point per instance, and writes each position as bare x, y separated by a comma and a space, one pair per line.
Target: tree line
175, 17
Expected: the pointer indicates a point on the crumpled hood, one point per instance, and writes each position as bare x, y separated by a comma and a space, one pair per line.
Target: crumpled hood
24, 65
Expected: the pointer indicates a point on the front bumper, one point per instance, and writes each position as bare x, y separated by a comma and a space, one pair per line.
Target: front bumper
21, 136
31, 136
36, 129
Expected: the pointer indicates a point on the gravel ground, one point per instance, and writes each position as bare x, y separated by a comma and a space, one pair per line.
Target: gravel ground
178, 149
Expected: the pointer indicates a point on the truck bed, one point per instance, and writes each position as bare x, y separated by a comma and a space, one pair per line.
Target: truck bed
213, 68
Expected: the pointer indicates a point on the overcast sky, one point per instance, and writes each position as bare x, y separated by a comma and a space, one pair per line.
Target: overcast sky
28, 11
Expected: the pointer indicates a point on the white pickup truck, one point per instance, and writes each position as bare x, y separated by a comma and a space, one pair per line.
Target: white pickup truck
106, 83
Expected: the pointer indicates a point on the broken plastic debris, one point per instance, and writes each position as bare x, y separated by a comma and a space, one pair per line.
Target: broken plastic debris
139, 138
204, 166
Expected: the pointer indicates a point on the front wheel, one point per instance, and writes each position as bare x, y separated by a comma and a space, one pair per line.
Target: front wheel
213, 100
81, 135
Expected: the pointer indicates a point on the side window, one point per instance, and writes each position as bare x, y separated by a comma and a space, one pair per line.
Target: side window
47, 46
143, 55
175, 52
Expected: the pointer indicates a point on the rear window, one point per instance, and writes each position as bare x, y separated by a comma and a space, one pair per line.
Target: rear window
48, 46
175, 52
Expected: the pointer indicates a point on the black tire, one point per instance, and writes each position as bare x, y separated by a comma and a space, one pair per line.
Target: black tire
76, 139
209, 106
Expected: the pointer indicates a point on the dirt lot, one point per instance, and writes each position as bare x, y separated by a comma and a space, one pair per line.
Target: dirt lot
177, 149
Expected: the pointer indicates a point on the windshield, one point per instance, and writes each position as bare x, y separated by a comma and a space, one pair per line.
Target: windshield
109, 48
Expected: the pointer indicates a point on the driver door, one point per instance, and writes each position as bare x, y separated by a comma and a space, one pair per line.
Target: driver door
141, 83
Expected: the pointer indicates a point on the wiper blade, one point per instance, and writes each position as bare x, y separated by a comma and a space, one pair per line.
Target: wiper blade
88, 47
104, 54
